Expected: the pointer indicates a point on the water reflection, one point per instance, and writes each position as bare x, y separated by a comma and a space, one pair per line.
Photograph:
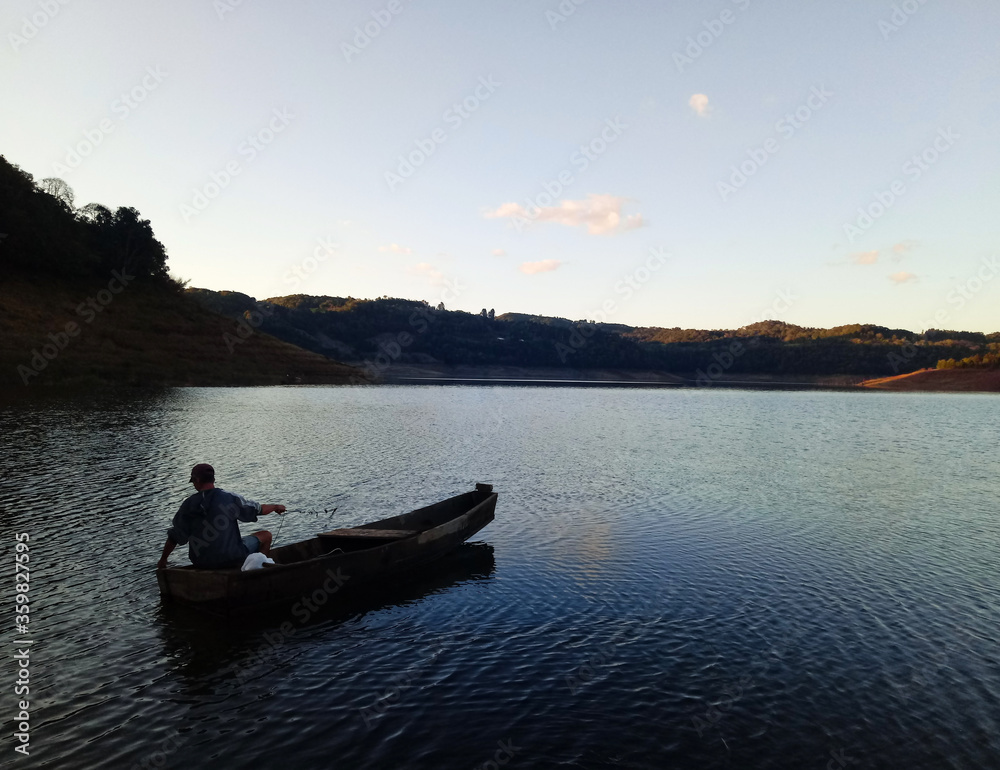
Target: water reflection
202, 644
652, 549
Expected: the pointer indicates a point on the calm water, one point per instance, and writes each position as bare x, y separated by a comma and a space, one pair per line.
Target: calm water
674, 579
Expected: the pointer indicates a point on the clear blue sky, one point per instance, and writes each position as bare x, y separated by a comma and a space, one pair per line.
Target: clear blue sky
314, 119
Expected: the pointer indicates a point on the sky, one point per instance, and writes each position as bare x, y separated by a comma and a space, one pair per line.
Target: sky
698, 164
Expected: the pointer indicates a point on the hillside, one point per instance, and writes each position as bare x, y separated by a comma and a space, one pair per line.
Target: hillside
941, 381
383, 333
86, 299
142, 337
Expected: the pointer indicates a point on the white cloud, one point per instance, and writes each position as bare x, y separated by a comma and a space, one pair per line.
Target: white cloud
396, 249
865, 257
545, 266
428, 271
902, 277
601, 214
499, 253
699, 103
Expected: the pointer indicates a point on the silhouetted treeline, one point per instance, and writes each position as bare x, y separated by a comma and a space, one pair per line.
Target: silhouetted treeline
46, 235
405, 331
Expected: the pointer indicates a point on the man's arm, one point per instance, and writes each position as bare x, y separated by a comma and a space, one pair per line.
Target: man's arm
177, 534
168, 548
266, 509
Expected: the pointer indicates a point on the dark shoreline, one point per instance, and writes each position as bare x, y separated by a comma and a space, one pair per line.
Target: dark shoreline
954, 382
549, 377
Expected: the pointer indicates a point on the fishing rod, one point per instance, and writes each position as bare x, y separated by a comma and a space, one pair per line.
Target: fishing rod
325, 512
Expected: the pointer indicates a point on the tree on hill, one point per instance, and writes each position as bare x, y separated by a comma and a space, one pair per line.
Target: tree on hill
94, 213
127, 243
48, 236
59, 190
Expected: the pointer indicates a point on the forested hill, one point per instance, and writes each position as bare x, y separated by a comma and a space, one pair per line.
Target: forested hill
381, 332
86, 298
86, 295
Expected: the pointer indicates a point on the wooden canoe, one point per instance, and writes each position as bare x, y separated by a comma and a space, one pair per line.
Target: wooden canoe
314, 571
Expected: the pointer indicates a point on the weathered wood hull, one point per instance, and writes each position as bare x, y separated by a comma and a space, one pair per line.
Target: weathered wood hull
312, 571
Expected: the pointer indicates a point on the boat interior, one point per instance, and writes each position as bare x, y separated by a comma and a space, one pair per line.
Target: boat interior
380, 532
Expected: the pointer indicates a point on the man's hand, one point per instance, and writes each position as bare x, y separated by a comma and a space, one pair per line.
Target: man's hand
266, 509
279, 509
168, 548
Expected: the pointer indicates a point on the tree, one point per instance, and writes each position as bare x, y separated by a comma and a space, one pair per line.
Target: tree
59, 190
126, 242
492, 314
95, 213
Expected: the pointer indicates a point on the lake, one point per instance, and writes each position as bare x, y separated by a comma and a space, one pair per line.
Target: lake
682, 578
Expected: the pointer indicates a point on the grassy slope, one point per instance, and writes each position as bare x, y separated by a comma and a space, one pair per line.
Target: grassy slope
143, 338
941, 380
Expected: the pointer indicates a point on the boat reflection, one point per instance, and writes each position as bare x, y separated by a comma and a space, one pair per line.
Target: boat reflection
200, 644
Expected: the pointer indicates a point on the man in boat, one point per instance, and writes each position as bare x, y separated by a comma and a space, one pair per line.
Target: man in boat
207, 521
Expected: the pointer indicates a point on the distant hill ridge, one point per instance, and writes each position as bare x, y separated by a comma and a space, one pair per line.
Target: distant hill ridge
372, 332
86, 296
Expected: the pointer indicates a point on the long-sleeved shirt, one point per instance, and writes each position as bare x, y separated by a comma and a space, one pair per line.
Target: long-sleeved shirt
207, 522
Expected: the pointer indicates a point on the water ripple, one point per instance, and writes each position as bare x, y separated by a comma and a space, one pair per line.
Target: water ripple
674, 578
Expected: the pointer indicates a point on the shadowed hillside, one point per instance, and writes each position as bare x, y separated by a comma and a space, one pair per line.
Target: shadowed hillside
86, 299
388, 332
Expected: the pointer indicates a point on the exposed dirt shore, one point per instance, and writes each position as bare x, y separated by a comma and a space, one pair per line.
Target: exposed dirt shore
941, 381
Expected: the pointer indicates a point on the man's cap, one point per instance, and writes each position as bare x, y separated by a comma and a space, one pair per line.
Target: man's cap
203, 472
